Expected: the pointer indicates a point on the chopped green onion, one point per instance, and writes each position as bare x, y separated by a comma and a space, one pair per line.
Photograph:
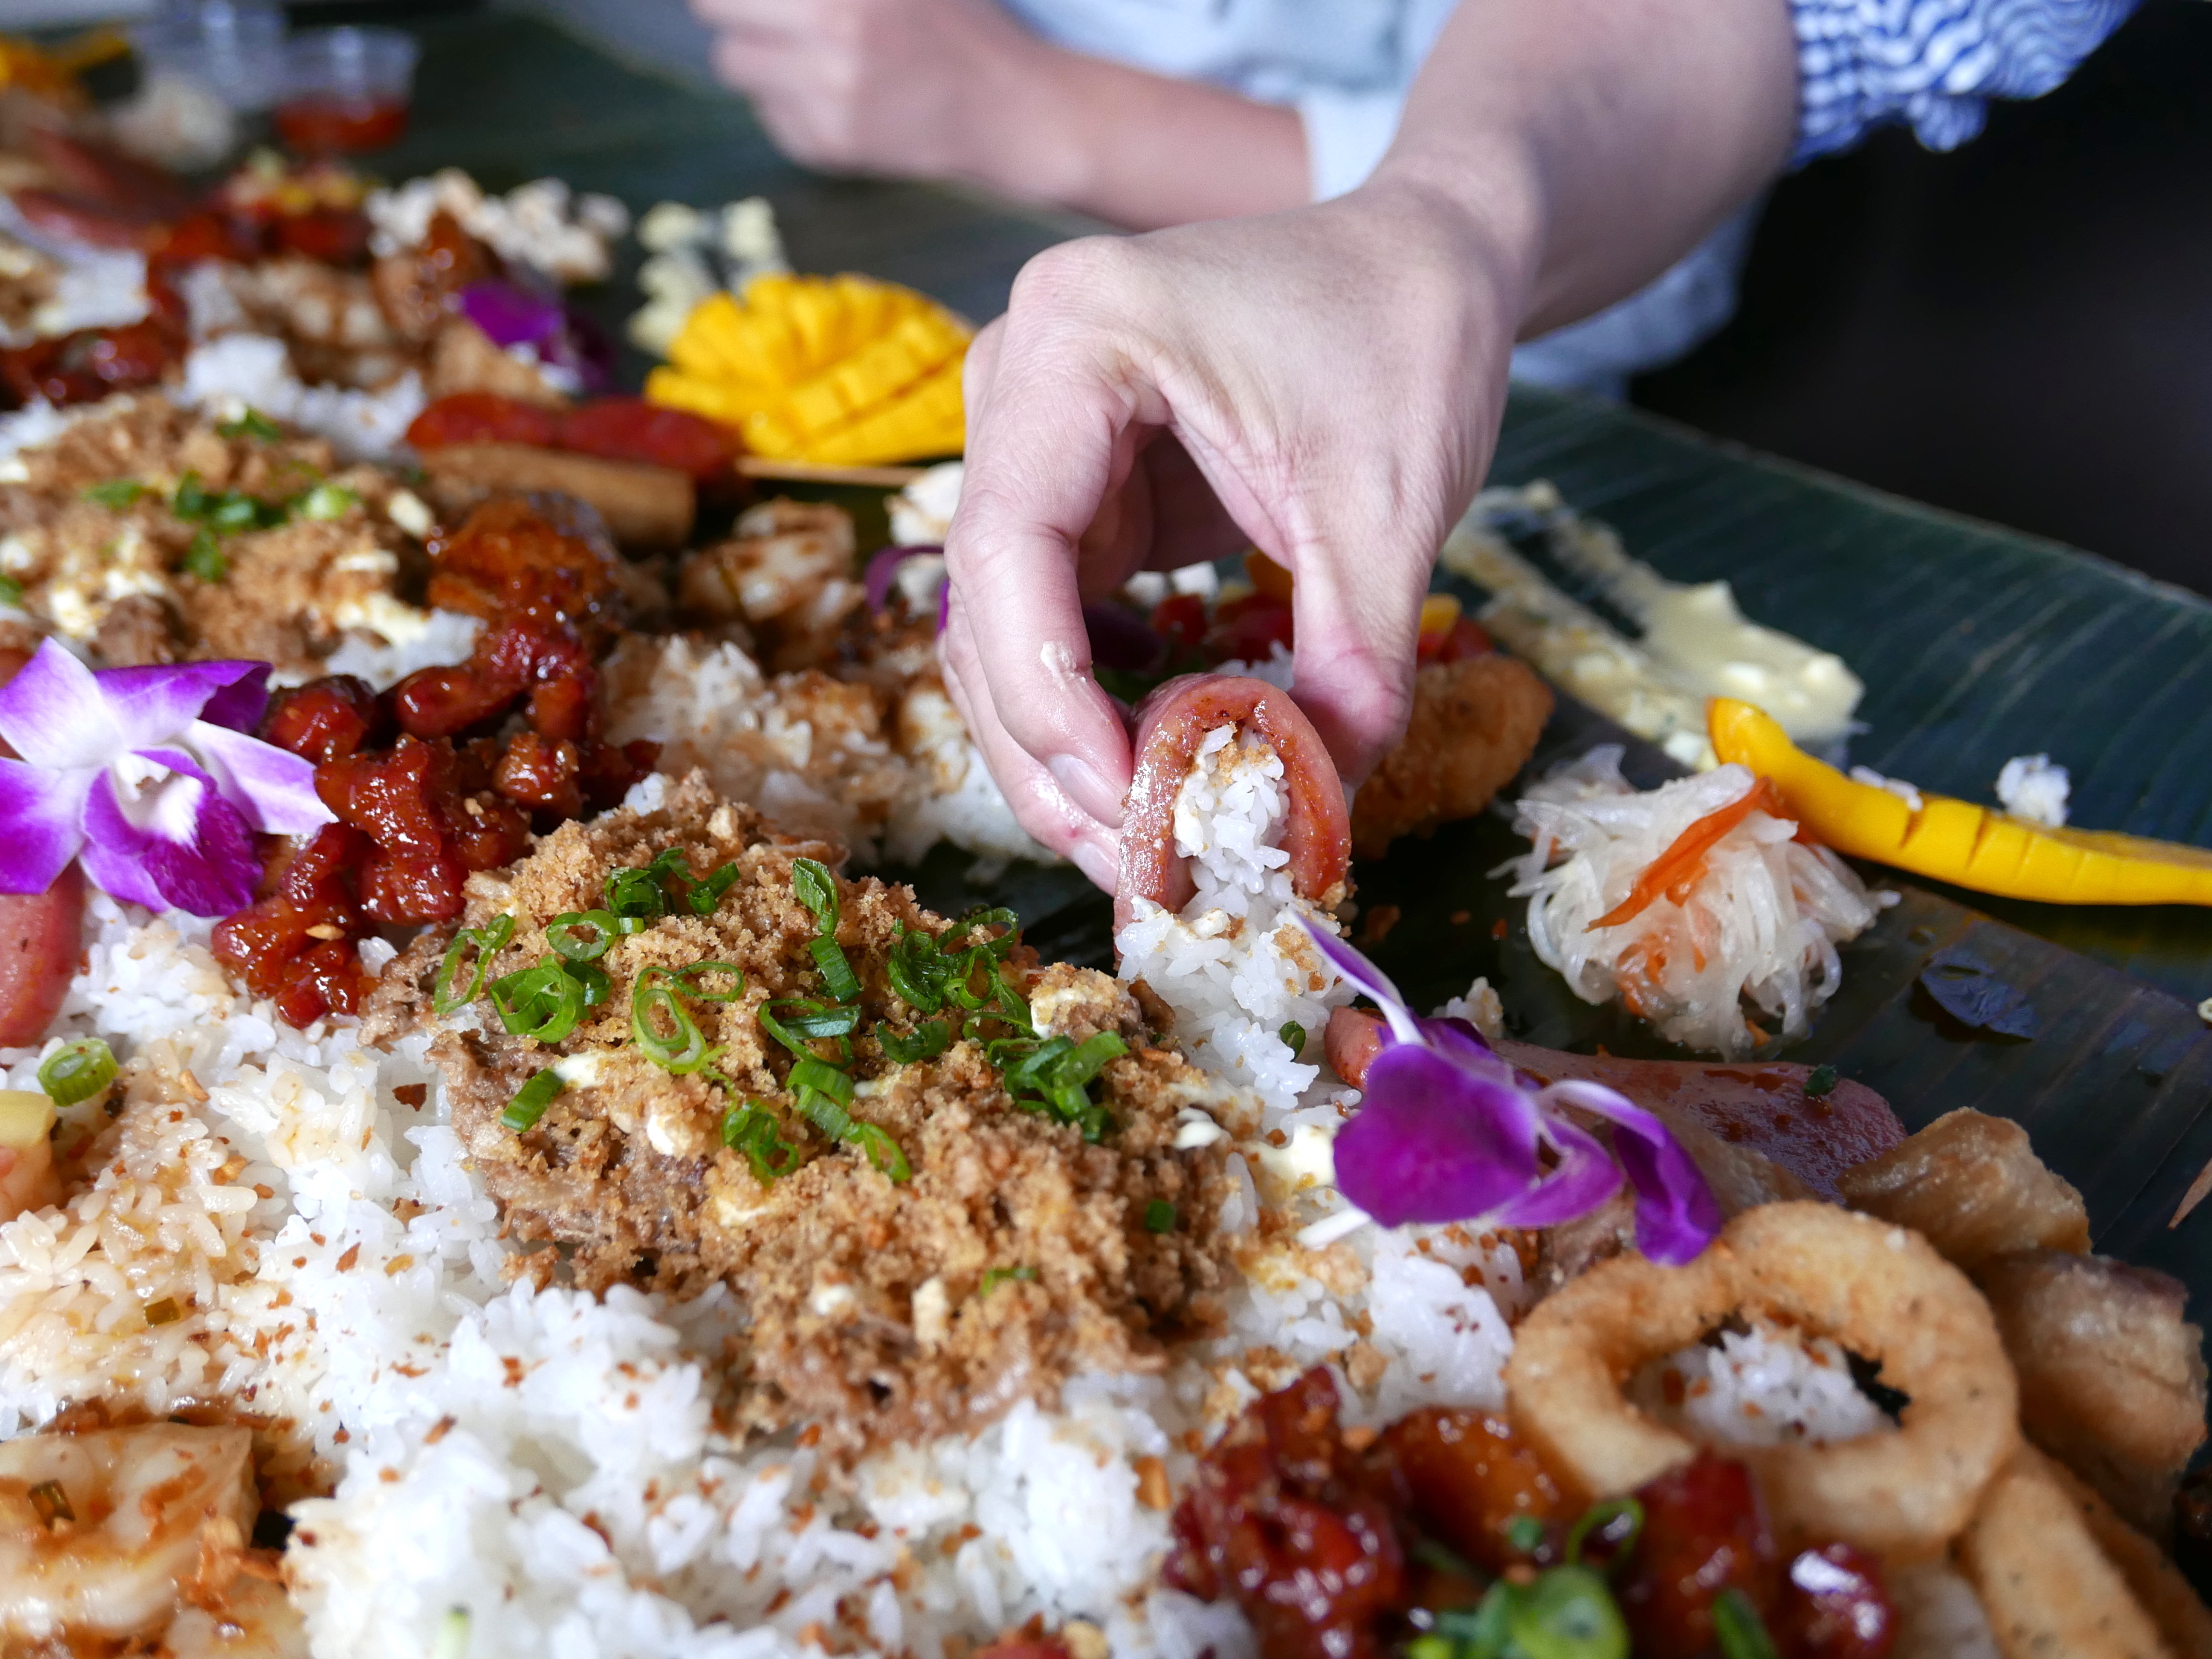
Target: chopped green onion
636, 900
706, 892
1294, 1037
593, 979
837, 976
1617, 1523
77, 1071
914, 970
326, 502
1479, 1630
1737, 1627
1089, 1057
996, 1276
1569, 1613
807, 1022
930, 1039
1159, 1217
817, 889
204, 558
487, 943
1821, 1081
115, 494
51, 1503
687, 976
684, 1048
11, 591
543, 1003
813, 1073
531, 1101
956, 937
565, 935
825, 1114
191, 499
882, 1151
251, 424
1525, 1533
751, 1128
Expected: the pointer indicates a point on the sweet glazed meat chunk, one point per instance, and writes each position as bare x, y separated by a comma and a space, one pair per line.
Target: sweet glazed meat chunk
1341, 1543
951, 1250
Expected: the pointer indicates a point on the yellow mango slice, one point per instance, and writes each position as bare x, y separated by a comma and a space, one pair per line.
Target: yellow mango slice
1956, 841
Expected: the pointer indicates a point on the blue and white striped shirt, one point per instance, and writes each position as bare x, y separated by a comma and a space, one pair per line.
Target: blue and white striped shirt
1935, 64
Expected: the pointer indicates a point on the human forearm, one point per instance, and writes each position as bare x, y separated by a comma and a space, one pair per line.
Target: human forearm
1139, 150
1604, 137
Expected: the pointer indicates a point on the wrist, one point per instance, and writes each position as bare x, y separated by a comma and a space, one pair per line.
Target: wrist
1480, 217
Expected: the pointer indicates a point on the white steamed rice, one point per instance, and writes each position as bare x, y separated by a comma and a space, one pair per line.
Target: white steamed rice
541, 1472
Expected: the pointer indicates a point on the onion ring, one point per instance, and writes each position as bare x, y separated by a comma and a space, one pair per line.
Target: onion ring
1880, 1291
1170, 725
2047, 1585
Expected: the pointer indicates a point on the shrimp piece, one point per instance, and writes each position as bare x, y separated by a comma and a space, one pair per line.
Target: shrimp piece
104, 1534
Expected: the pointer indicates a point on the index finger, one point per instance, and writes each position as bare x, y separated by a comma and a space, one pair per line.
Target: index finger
1050, 426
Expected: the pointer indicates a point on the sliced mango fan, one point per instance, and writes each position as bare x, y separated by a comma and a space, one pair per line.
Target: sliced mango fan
839, 370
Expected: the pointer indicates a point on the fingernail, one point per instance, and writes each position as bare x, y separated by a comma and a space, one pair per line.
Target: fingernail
1082, 785
1091, 860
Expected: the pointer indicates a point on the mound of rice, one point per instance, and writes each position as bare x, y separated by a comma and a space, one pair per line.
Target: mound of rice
1235, 964
524, 1472
1759, 922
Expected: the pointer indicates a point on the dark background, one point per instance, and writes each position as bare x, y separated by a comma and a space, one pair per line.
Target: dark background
2021, 330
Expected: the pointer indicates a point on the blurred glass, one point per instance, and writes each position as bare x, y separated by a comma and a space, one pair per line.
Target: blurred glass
346, 89
235, 48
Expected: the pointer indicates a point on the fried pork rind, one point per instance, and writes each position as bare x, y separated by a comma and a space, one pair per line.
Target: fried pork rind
1878, 1289
2050, 1591
2112, 1378
1475, 724
1972, 1185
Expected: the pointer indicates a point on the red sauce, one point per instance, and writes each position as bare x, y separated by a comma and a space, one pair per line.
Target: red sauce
433, 779
324, 125
1338, 1547
483, 417
613, 428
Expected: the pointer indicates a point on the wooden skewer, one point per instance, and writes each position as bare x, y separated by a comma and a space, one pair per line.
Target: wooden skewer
882, 478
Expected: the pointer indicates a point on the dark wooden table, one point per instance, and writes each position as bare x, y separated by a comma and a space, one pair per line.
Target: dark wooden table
1976, 644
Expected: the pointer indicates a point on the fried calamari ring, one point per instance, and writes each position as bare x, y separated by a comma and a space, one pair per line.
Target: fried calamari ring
1170, 725
2048, 1587
1878, 1289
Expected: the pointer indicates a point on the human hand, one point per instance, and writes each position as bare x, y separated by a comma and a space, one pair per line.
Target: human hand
1327, 384
907, 87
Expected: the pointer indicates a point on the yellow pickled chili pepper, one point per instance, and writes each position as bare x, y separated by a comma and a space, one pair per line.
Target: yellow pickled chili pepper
845, 370
1969, 846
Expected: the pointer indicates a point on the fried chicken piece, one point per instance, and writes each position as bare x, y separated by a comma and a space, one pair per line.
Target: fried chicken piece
1475, 724
2112, 1378
788, 573
1973, 1187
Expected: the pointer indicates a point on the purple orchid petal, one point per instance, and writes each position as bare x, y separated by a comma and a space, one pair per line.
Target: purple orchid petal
1584, 1179
883, 572
240, 704
154, 705
512, 316
1432, 1143
42, 811
1364, 978
54, 715
272, 788
176, 842
1676, 1216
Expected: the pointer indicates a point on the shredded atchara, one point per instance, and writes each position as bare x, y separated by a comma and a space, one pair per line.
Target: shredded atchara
1686, 901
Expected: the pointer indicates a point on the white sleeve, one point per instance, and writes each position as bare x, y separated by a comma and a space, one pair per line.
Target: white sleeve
1347, 133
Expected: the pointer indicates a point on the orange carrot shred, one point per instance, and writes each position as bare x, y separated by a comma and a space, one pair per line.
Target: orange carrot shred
1677, 870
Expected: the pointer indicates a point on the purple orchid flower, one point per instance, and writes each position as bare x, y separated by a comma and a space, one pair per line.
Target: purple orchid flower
1447, 1131
149, 775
